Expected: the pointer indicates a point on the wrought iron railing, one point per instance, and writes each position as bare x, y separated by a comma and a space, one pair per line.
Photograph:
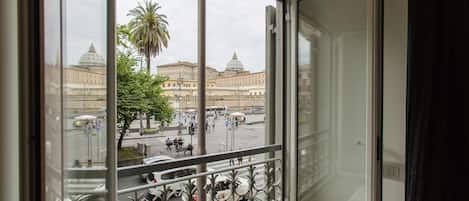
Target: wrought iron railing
255, 180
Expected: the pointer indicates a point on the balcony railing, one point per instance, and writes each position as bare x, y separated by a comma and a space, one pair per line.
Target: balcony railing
255, 180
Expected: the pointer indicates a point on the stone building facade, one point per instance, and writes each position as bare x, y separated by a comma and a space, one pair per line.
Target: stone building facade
235, 88
84, 85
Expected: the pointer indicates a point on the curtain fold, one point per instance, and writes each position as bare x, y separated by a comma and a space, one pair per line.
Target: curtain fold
437, 142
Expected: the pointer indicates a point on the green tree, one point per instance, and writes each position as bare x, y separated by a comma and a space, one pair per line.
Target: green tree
138, 92
129, 96
158, 105
149, 30
123, 36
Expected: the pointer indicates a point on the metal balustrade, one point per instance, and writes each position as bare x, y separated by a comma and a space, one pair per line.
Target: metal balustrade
256, 180
223, 184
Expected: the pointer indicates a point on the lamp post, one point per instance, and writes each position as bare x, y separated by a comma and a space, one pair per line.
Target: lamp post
179, 82
84, 122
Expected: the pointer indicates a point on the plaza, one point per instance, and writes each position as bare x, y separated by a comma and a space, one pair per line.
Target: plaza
220, 139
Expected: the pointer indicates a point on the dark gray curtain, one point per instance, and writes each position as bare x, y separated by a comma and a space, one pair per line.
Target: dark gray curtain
437, 158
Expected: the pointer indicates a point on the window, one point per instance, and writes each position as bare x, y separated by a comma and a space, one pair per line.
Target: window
331, 77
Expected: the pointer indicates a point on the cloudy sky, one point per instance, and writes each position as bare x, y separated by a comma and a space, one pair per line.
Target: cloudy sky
232, 25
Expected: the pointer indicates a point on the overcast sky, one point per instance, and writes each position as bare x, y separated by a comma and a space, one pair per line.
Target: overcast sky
232, 25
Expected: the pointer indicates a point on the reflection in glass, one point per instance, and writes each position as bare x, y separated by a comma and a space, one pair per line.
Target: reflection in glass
236, 35
52, 99
332, 94
84, 96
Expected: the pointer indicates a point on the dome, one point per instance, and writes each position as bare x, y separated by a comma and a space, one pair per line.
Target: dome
234, 64
91, 58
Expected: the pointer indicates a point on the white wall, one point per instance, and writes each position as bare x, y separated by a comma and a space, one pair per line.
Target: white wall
395, 46
9, 141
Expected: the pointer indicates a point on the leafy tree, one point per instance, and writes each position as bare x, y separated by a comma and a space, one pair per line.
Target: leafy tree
123, 36
138, 92
155, 104
129, 96
158, 105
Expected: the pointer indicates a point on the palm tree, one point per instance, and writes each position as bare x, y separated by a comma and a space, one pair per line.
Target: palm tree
149, 30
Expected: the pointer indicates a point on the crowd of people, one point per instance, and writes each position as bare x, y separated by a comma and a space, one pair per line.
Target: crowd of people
178, 144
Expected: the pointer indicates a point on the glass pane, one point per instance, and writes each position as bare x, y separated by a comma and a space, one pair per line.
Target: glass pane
332, 100
236, 64
84, 96
173, 68
52, 100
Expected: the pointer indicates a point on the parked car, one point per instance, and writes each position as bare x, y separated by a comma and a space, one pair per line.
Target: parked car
223, 187
175, 189
154, 160
86, 196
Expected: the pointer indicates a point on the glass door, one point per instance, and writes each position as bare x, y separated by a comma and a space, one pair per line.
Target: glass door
78, 110
332, 119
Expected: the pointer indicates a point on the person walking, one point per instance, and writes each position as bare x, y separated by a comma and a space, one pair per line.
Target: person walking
226, 122
213, 125
180, 142
176, 144
168, 144
240, 160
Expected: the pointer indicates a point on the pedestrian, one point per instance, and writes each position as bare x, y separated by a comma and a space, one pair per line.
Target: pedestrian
189, 149
98, 126
192, 129
180, 142
76, 164
206, 125
168, 144
232, 163
240, 160
176, 144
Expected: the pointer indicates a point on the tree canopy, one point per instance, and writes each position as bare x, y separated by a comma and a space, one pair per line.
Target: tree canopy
138, 92
149, 29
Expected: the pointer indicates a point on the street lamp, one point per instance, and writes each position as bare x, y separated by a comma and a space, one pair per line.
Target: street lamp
84, 121
179, 82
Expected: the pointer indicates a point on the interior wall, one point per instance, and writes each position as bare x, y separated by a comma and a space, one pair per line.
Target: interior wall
394, 96
9, 140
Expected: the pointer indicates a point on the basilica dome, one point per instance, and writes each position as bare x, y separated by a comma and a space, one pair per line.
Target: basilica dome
91, 58
234, 64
